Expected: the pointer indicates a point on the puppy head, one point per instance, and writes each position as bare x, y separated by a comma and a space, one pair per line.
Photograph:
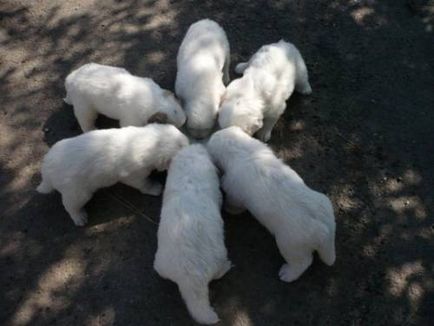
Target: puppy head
171, 107
224, 143
243, 113
241, 107
171, 141
201, 117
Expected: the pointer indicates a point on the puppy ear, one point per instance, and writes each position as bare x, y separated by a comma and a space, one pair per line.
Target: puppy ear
158, 117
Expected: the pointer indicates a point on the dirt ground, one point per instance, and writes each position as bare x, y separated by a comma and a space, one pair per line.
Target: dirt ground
365, 138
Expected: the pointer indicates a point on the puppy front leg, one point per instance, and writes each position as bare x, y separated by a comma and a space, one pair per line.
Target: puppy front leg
196, 297
143, 184
264, 133
85, 115
298, 260
74, 201
152, 188
293, 270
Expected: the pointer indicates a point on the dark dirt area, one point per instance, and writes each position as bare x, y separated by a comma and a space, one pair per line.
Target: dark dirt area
365, 137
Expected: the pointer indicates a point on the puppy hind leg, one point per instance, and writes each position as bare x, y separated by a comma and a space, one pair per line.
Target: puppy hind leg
297, 255
326, 251
297, 263
196, 297
74, 201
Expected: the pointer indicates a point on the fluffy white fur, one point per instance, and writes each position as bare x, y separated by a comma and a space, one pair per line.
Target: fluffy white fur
79, 166
203, 61
115, 93
301, 219
191, 249
255, 101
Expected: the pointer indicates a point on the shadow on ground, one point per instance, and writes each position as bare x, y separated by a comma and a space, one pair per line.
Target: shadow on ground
364, 137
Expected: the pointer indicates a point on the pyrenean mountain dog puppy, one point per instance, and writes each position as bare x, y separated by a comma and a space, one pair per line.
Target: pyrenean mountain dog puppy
191, 249
301, 219
203, 64
255, 101
115, 93
79, 166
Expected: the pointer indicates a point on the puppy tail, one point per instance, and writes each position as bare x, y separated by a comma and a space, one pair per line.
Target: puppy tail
44, 187
302, 84
326, 249
196, 298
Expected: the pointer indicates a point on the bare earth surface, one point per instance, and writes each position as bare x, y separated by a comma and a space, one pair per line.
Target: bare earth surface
365, 138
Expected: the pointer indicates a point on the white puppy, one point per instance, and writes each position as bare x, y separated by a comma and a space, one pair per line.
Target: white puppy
203, 60
114, 92
255, 101
301, 219
79, 166
191, 249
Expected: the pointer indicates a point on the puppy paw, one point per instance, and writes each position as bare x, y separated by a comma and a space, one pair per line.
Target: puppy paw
154, 189
286, 274
80, 219
208, 319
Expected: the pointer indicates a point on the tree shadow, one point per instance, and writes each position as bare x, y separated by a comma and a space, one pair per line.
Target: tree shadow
364, 138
